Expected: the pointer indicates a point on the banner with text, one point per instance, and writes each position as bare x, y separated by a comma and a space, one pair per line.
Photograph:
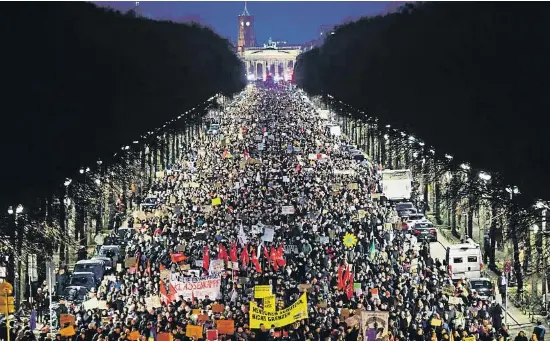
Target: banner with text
296, 312
198, 287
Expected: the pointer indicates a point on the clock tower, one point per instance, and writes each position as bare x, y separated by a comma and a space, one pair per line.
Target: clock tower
245, 36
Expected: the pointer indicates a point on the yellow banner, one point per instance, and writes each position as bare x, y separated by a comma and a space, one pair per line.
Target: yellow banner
296, 312
269, 304
262, 291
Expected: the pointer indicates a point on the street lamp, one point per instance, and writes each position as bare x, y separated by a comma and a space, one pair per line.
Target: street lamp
10, 210
512, 191
448, 157
68, 182
421, 144
484, 176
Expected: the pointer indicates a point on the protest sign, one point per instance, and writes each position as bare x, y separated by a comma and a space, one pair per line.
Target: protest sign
268, 235
373, 320
198, 287
217, 308
295, 312
130, 262
261, 291
291, 249
152, 302
216, 266
192, 331
211, 334
67, 331
226, 326
269, 304
67, 319
287, 210
216, 201
133, 336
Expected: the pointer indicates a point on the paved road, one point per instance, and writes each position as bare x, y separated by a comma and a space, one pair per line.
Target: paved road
516, 319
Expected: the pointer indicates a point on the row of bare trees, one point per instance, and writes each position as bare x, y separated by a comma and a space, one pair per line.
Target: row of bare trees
90, 202
456, 193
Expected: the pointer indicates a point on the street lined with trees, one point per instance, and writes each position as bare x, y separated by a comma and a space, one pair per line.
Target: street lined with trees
448, 90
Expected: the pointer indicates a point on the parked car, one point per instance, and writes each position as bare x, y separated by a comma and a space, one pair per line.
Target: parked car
83, 279
123, 234
74, 293
425, 230
91, 265
110, 251
483, 287
405, 209
107, 262
415, 218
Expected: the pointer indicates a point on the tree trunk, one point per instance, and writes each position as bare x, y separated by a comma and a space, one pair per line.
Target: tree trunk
515, 243
493, 234
453, 217
438, 201
471, 209
62, 227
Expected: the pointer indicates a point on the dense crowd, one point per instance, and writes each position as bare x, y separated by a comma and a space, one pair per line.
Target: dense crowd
274, 200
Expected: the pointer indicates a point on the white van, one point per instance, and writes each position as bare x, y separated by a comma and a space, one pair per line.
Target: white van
465, 260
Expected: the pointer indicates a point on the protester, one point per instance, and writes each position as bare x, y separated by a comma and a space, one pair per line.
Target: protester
278, 199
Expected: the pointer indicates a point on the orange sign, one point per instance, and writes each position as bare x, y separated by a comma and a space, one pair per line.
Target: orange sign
226, 326
68, 331
218, 308
193, 331
133, 335
66, 318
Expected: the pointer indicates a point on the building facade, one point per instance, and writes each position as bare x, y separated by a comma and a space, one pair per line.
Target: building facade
271, 60
274, 59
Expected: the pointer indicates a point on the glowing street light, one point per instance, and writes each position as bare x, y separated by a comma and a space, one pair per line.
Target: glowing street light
67, 182
421, 144
10, 210
448, 157
465, 166
484, 176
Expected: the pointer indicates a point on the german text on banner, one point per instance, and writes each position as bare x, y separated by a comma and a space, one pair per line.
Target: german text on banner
198, 287
262, 291
296, 312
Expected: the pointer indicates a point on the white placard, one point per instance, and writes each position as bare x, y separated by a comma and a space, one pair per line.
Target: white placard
287, 210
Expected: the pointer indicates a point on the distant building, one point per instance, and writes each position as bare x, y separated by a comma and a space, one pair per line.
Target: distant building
246, 36
274, 60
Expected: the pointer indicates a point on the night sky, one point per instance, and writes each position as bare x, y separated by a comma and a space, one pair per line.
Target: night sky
291, 21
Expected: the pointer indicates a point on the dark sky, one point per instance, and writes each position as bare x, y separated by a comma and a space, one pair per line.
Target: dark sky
293, 21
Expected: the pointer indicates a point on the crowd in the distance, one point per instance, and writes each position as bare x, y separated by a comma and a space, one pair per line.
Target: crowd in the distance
259, 164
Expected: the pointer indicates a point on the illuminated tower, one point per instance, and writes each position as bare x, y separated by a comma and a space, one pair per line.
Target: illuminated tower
245, 36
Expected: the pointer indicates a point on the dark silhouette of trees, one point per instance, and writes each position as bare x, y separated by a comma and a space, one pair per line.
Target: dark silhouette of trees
468, 78
80, 81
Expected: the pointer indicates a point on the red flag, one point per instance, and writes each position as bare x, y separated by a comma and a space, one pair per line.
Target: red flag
266, 253
340, 282
273, 258
280, 256
246, 155
298, 167
349, 287
346, 277
225, 152
255, 262
222, 252
206, 259
148, 269
177, 257
233, 252
245, 259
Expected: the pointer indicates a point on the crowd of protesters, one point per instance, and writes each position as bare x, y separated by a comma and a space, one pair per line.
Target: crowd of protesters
258, 165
